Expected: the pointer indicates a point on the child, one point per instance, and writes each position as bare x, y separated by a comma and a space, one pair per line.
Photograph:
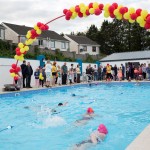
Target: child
59, 75
120, 74
70, 75
41, 77
36, 75
136, 73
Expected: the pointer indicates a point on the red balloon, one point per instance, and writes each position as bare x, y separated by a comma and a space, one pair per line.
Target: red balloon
65, 11
133, 16
11, 70
138, 11
14, 66
69, 13
39, 24
111, 9
101, 6
126, 9
33, 32
46, 27
18, 53
67, 18
17, 49
112, 15
115, 5
87, 12
18, 69
42, 27
90, 5
15, 78
148, 19
97, 12
80, 14
77, 9
147, 26
122, 10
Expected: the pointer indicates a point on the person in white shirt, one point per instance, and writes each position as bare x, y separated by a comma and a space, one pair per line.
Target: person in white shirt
48, 72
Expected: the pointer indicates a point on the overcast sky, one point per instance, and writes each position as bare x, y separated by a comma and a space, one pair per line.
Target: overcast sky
29, 12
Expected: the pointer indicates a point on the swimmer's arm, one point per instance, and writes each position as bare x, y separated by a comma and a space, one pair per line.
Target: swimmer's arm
93, 138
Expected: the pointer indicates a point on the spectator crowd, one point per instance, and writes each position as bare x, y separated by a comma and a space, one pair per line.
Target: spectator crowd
52, 74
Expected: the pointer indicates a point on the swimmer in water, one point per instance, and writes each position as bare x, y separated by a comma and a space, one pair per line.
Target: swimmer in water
86, 117
96, 137
74, 95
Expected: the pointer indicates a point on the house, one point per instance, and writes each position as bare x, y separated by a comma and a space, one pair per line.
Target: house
82, 45
2, 32
48, 39
136, 58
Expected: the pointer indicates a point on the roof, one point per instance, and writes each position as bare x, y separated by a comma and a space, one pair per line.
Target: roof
82, 40
2, 27
136, 55
22, 30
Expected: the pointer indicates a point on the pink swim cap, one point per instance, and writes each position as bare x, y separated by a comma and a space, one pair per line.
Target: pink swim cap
102, 129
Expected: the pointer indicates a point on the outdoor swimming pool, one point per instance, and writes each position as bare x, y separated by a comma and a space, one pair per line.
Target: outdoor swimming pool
122, 107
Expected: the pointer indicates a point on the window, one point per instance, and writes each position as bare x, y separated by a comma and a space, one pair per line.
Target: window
52, 44
63, 45
40, 42
85, 48
93, 49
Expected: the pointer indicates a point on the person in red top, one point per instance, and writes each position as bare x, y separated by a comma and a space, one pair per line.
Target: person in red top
136, 74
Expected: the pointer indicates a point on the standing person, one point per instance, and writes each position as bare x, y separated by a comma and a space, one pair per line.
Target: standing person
64, 69
90, 72
148, 71
36, 75
108, 71
75, 75
59, 82
44, 75
72, 75
29, 73
100, 73
48, 72
41, 77
78, 73
127, 73
24, 70
123, 71
115, 72
144, 70
104, 73
95, 73
120, 74
54, 73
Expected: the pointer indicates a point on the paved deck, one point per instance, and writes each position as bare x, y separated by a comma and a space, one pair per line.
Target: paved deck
142, 142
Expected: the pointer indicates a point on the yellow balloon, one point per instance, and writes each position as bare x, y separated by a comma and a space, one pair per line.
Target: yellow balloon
20, 45
22, 50
27, 42
26, 48
87, 7
119, 17
131, 10
144, 13
95, 5
84, 15
140, 19
91, 11
82, 5
142, 24
131, 21
74, 15
36, 27
83, 9
127, 15
28, 36
120, 6
72, 9
12, 74
106, 14
106, 7
38, 31
116, 12
16, 57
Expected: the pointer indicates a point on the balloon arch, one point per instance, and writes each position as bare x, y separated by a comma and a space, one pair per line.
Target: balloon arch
142, 17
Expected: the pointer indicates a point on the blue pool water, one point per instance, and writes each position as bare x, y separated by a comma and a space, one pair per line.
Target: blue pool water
122, 107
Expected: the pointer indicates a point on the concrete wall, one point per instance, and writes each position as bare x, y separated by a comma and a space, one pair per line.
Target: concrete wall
10, 34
